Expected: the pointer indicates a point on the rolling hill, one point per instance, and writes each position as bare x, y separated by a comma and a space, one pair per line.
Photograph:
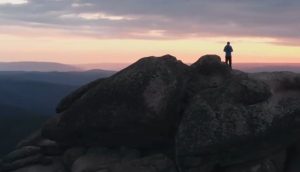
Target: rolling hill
75, 78
36, 66
36, 96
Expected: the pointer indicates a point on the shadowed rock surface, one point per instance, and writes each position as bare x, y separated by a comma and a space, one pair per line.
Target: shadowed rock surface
233, 118
160, 115
139, 106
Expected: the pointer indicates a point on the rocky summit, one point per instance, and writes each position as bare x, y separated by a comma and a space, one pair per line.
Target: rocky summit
161, 115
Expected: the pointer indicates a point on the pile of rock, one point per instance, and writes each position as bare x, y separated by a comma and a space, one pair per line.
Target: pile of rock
160, 115
82, 159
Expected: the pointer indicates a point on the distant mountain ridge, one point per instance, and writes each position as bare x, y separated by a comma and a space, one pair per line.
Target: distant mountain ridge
41, 91
66, 78
268, 67
104, 66
39, 97
110, 67
246, 67
36, 66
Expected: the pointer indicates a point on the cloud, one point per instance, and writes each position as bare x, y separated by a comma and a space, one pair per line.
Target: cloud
95, 16
160, 19
13, 2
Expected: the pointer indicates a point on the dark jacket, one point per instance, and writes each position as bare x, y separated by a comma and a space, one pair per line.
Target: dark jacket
228, 50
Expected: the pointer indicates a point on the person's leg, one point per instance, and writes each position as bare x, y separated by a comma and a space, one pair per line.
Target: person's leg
230, 62
226, 60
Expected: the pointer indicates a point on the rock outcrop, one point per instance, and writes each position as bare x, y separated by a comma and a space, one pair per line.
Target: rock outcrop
160, 115
139, 106
234, 118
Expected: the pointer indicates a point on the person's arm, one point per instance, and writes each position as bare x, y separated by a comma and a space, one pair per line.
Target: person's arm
231, 49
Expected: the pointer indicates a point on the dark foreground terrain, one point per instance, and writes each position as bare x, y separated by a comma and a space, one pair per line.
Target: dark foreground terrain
160, 115
28, 99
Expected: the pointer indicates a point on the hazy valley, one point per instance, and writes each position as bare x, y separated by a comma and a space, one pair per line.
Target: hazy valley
27, 99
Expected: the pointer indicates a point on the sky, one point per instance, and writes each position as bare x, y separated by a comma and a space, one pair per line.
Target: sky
122, 31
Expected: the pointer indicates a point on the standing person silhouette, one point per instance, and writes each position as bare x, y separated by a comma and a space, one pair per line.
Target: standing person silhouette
228, 57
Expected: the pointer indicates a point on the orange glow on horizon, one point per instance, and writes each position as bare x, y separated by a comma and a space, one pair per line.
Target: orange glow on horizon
82, 50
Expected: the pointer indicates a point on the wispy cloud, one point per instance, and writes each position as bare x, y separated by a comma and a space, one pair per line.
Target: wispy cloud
13, 2
95, 16
164, 19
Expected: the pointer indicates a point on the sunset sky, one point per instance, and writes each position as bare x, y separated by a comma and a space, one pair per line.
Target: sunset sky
104, 31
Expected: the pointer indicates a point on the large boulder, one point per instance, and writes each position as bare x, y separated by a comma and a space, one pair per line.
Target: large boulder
232, 118
139, 106
122, 160
23, 152
71, 155
24, 162
154, 163
275, 163
56, 166
95, 159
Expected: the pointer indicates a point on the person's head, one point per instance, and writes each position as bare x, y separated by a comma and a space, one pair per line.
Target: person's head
228, 43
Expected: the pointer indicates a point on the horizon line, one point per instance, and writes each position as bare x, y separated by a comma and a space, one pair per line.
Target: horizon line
95, 63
